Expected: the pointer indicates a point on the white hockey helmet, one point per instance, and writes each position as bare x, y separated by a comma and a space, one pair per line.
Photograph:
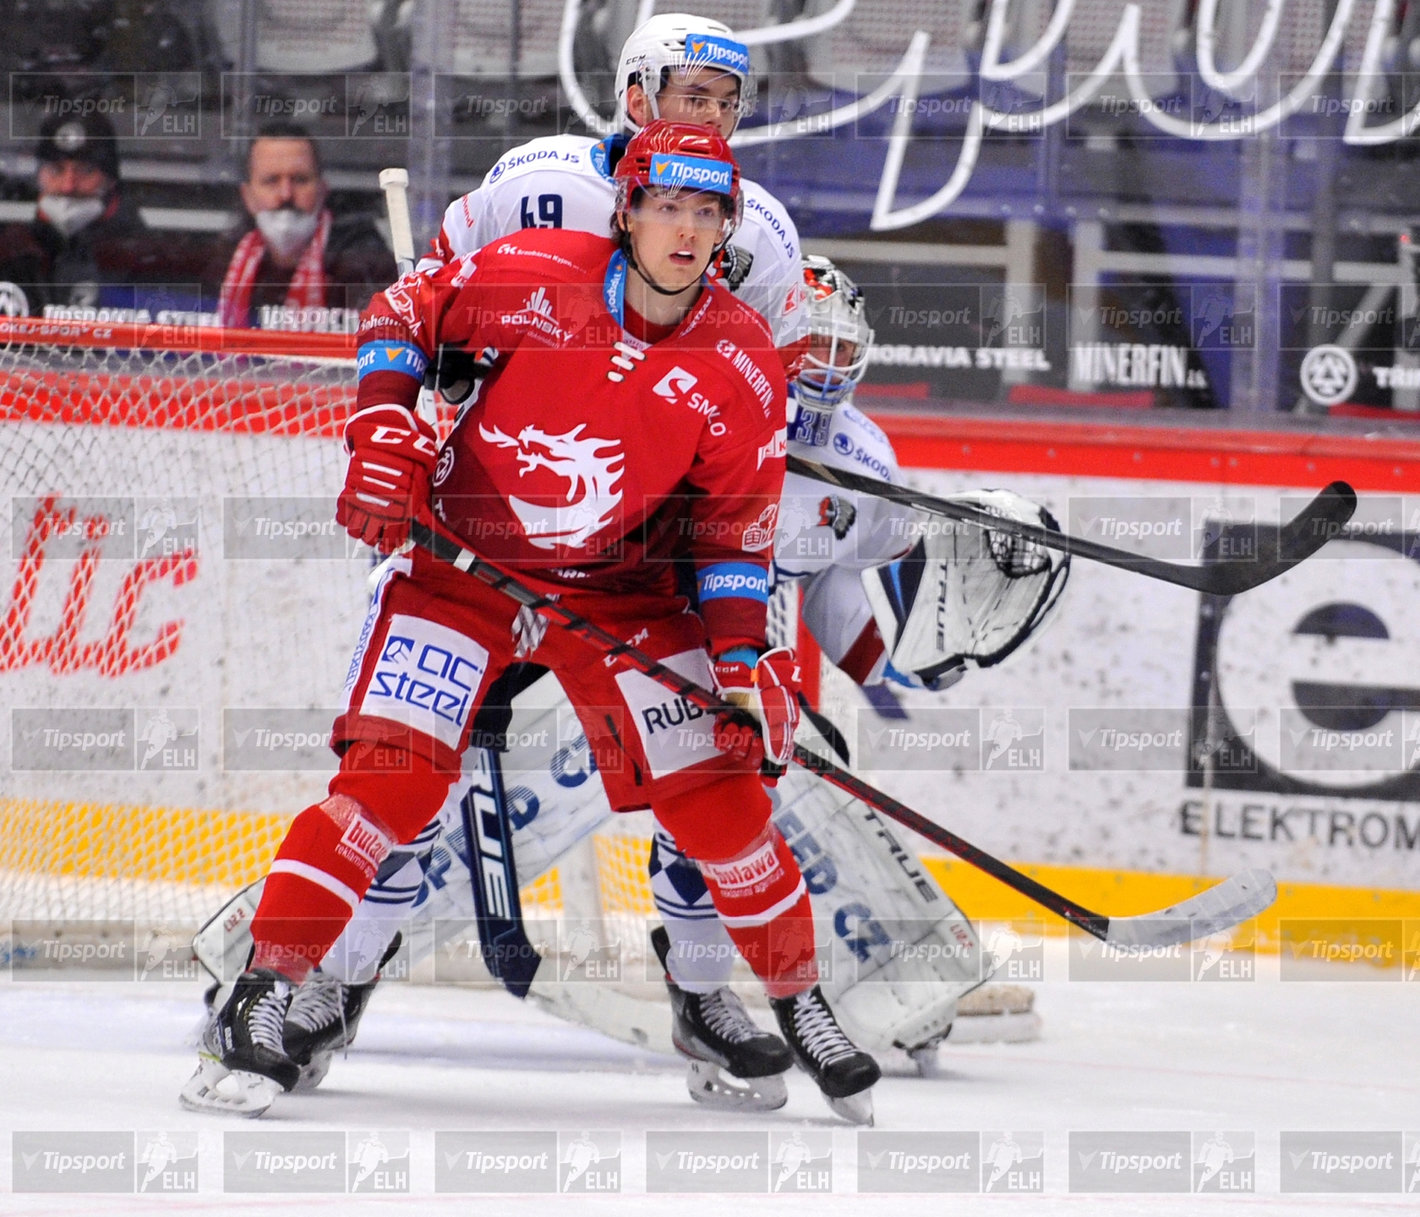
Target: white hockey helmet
678, 42
838, 314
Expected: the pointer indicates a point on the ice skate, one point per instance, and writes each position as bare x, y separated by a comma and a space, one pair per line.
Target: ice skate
242, 1064
843, 1071
322, 1020
734, 1063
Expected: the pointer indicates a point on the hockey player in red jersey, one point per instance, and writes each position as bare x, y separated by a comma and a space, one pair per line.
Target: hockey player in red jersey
634, 415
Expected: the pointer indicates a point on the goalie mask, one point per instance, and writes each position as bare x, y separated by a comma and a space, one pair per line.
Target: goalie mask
673, 157
839, 335
673, 43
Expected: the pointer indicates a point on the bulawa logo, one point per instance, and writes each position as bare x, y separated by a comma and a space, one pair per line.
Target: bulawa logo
692, 173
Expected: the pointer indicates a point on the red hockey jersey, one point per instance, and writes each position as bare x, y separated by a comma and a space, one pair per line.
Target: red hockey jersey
573, 472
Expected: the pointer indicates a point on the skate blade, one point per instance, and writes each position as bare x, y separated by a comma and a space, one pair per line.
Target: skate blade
855, 1108
216, 1089
710, 1086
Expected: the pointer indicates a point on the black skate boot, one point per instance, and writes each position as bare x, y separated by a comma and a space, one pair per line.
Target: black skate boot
714, 1032
843, 1071
322, 1020
243, 1064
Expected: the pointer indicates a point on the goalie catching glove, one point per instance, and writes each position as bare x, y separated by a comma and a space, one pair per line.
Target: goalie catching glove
965, 596
770, 691
387, 482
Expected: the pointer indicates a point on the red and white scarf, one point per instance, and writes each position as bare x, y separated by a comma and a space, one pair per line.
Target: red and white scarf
308, 282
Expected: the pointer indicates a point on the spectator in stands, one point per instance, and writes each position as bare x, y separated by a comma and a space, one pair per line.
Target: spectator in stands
87, 247
296, 257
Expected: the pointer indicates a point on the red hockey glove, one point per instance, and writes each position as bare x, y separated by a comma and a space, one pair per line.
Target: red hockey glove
387, 482
769, 691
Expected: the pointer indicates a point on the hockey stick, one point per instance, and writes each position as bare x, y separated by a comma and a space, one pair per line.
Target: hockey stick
394, 182
1209, 912
1319, 522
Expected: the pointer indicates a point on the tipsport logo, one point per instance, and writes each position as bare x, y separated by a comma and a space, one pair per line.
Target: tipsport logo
692, 173
709, 50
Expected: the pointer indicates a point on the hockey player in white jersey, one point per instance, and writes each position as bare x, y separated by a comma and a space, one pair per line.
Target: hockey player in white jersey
678, 67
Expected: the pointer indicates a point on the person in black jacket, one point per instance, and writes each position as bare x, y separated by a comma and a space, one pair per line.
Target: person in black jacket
298, 266
87, 247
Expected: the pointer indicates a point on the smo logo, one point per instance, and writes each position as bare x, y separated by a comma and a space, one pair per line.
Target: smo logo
1311, 669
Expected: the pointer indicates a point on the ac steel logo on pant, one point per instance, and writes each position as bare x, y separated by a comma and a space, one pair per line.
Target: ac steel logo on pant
427, 675
1317, 691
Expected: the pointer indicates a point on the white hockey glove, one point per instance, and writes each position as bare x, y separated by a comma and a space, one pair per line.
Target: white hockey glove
964, 596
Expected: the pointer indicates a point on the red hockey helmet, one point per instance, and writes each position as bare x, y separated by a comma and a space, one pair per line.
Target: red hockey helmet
680, 156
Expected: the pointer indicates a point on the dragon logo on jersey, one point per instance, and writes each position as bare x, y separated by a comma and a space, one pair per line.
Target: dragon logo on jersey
592, 468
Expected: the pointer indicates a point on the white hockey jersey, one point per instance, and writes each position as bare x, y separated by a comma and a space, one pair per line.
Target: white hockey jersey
565, 181
827, 536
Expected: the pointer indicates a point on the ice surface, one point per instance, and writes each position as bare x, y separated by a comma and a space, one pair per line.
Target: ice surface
1334, 1051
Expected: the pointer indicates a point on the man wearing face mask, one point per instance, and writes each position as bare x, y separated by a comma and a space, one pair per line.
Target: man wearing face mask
298, 256
86, 247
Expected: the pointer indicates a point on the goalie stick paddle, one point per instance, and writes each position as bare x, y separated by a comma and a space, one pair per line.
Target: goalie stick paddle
1211, 911
1278, 551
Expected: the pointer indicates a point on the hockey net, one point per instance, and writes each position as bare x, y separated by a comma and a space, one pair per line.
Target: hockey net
178, 616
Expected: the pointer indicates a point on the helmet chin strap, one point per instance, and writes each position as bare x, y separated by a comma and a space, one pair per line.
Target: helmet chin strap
630, 253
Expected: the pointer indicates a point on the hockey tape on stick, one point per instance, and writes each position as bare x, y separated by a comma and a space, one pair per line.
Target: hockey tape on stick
1319, 522
395, 184
1209, 912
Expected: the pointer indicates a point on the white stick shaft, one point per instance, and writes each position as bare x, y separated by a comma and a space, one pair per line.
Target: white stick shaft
395, 184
